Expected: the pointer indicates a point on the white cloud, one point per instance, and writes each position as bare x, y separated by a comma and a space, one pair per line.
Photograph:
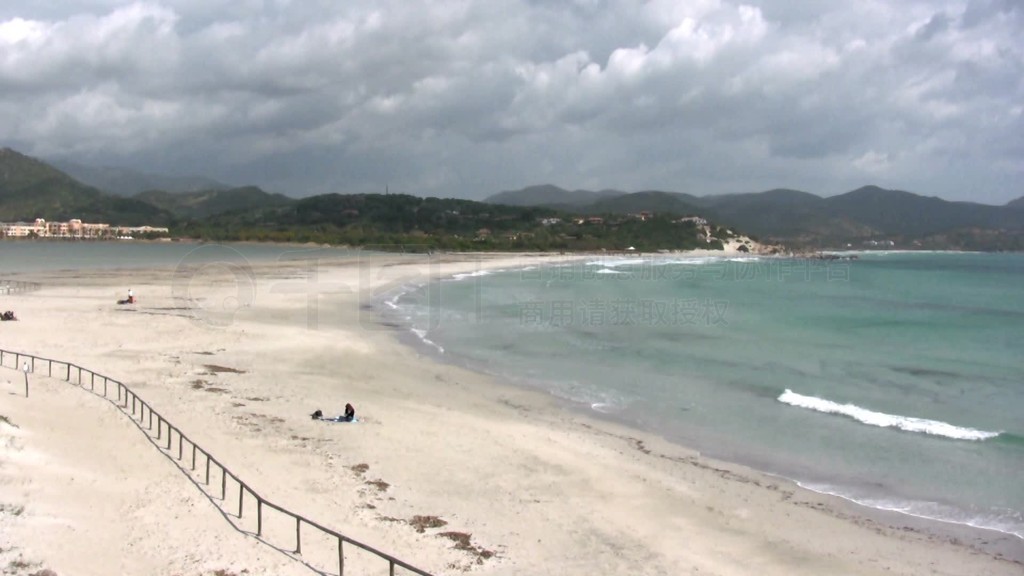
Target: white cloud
467, 98
18, 30
872, 162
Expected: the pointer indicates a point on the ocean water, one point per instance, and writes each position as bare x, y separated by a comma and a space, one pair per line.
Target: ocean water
21, 256
895, 380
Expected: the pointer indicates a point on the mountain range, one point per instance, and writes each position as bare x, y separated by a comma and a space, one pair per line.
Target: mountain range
124, 182
867, 214
31, 188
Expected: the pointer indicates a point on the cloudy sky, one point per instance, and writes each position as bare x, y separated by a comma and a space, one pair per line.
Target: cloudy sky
465, 99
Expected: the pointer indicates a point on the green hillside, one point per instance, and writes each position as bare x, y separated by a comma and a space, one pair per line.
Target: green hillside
652, 201
551, 196
203, 204
411, 222
31, 189
857, 218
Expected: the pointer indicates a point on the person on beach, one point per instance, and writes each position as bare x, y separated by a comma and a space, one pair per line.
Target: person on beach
350, 415
131, 296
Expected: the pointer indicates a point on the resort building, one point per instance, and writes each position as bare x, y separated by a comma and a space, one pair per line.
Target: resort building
75, 229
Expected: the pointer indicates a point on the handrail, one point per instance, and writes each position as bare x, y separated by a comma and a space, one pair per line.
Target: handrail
17, 286
140, 407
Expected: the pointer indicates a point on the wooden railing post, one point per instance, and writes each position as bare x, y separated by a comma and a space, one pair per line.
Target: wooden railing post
298, 535
259, 517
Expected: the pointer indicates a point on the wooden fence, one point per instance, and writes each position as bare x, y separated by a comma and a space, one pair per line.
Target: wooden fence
143, 415
17, 286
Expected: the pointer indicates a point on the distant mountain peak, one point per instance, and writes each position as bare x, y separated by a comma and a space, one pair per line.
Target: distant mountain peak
18, 170
128, 182
549, 195
31, 188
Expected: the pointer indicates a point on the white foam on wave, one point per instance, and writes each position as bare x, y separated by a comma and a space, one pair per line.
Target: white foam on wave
422, 335
1001, 520
865, 416
670, 260
901, 252
608, 271
464, 275
616, 262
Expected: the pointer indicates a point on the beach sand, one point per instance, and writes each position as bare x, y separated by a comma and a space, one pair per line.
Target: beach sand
446, 469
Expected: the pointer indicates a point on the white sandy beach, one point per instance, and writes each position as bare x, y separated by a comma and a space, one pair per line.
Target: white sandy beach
538, 487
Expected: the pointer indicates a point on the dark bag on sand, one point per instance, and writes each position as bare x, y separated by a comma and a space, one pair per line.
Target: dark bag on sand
317, 415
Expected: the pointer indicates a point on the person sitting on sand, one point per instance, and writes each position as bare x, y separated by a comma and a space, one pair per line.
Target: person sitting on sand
350, 415
8, 315
131, 296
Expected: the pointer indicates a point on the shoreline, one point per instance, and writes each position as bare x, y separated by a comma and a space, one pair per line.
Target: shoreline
983, 538
520, 464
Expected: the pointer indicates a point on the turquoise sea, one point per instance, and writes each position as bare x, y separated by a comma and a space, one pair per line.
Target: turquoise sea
895, 380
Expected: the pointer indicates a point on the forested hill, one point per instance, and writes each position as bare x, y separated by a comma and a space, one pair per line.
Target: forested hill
863, 217
436, 223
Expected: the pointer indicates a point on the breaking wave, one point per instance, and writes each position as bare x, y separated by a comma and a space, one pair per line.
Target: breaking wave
871, 418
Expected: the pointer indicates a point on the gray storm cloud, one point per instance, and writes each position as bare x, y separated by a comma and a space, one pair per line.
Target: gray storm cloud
470, 98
